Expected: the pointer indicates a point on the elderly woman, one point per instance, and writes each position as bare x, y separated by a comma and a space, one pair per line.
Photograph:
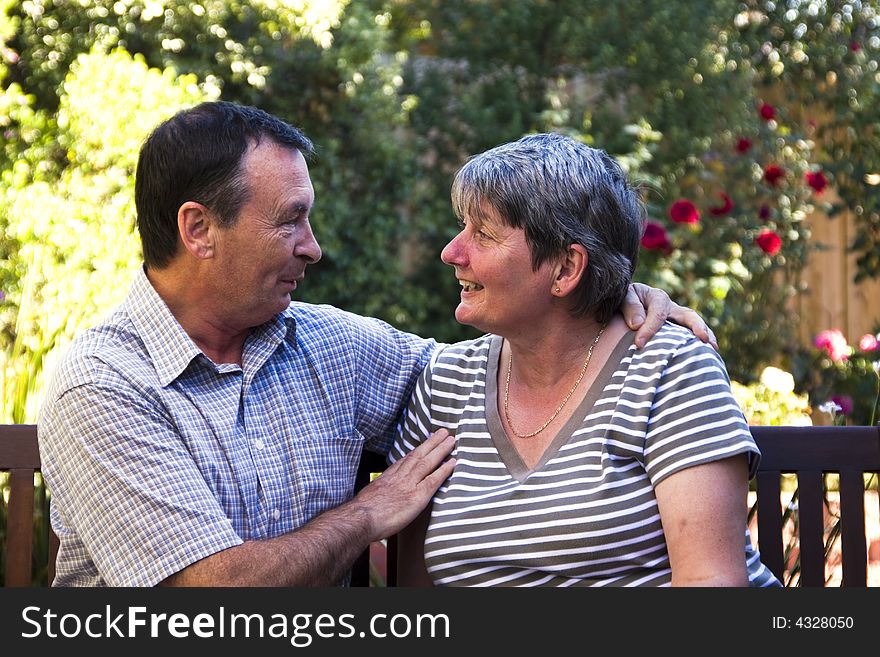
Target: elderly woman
581, 459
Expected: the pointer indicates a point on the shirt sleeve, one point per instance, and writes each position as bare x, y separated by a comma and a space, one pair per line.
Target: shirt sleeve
694, 417
389, 362
126, 488
416, 423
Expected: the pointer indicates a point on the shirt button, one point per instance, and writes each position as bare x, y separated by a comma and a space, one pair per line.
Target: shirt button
276, 514
259, 444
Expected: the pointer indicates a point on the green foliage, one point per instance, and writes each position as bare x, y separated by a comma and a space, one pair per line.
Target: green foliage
396, 95
69, 220
821, 60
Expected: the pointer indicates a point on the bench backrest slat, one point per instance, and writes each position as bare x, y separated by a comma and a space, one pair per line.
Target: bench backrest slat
20, 458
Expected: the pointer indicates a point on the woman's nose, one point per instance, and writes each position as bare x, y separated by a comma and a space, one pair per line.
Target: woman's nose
452, 252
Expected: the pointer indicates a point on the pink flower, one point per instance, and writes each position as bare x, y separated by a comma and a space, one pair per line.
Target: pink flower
743, 145
773, 173
769, 242
767, 111
684, 212
816, 180
655, 238
845, 402
869, 342
833, 342
855, 46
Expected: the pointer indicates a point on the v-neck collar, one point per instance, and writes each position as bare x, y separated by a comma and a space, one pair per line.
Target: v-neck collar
506, 449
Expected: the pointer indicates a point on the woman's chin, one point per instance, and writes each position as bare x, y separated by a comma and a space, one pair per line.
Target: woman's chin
463, 316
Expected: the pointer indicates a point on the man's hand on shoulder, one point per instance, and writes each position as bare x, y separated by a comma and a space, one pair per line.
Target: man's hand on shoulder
645, 308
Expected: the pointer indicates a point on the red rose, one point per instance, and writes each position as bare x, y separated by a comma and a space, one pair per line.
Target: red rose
773, 173
655, 238
816, 180
684, 212
767, 111
743, 144
769, 242
855, 46
725, 207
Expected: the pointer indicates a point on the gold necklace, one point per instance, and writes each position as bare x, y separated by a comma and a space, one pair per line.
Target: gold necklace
564, 401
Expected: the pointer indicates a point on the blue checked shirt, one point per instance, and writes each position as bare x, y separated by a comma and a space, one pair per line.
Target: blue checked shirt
156, 457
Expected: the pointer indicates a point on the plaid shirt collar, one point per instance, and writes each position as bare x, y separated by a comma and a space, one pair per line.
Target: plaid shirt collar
169, 346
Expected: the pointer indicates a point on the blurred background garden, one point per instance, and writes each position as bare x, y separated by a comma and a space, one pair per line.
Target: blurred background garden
753, 128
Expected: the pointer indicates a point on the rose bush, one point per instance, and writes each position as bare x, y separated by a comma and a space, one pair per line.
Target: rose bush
849, 376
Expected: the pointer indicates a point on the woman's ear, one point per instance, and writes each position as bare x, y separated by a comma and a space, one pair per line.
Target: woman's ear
571, 269
196, 224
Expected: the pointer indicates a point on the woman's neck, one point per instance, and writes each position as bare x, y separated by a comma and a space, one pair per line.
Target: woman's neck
546, 356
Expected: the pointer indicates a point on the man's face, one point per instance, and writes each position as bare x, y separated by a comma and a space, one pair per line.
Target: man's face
262, 256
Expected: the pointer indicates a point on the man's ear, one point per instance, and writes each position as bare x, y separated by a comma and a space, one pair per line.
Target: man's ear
571, 269
196, 225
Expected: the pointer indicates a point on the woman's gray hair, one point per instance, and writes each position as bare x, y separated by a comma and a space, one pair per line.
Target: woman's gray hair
561, 192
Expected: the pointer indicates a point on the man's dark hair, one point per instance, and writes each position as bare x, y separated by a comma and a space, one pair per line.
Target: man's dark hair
197, 155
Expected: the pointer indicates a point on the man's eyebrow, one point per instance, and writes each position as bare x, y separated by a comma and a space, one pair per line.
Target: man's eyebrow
293, 210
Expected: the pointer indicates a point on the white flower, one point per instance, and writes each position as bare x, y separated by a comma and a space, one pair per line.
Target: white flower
830, 407
876, 365
777, 380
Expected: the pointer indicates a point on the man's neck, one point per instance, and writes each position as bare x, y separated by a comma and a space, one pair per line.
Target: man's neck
191, 307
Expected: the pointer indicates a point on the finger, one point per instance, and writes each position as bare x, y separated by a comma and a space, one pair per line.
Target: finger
434, 480
425, 458
658, 306
712, 339
632, 308
691, 320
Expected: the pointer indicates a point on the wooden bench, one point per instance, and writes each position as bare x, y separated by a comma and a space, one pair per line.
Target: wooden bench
808, 452
20, 458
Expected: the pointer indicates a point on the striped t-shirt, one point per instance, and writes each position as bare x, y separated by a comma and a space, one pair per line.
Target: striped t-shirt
586, 514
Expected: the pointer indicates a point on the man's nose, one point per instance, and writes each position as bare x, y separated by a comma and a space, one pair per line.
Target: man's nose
308, 248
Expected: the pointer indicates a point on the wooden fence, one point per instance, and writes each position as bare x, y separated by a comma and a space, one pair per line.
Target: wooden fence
831, 298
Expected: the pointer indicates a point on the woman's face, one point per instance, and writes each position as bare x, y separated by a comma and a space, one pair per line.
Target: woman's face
501, 293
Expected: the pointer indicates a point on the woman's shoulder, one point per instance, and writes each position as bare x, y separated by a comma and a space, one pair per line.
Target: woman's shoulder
671, 339
463, 360
476, 349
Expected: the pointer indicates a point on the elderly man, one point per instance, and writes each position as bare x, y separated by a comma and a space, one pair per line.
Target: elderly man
209, 431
